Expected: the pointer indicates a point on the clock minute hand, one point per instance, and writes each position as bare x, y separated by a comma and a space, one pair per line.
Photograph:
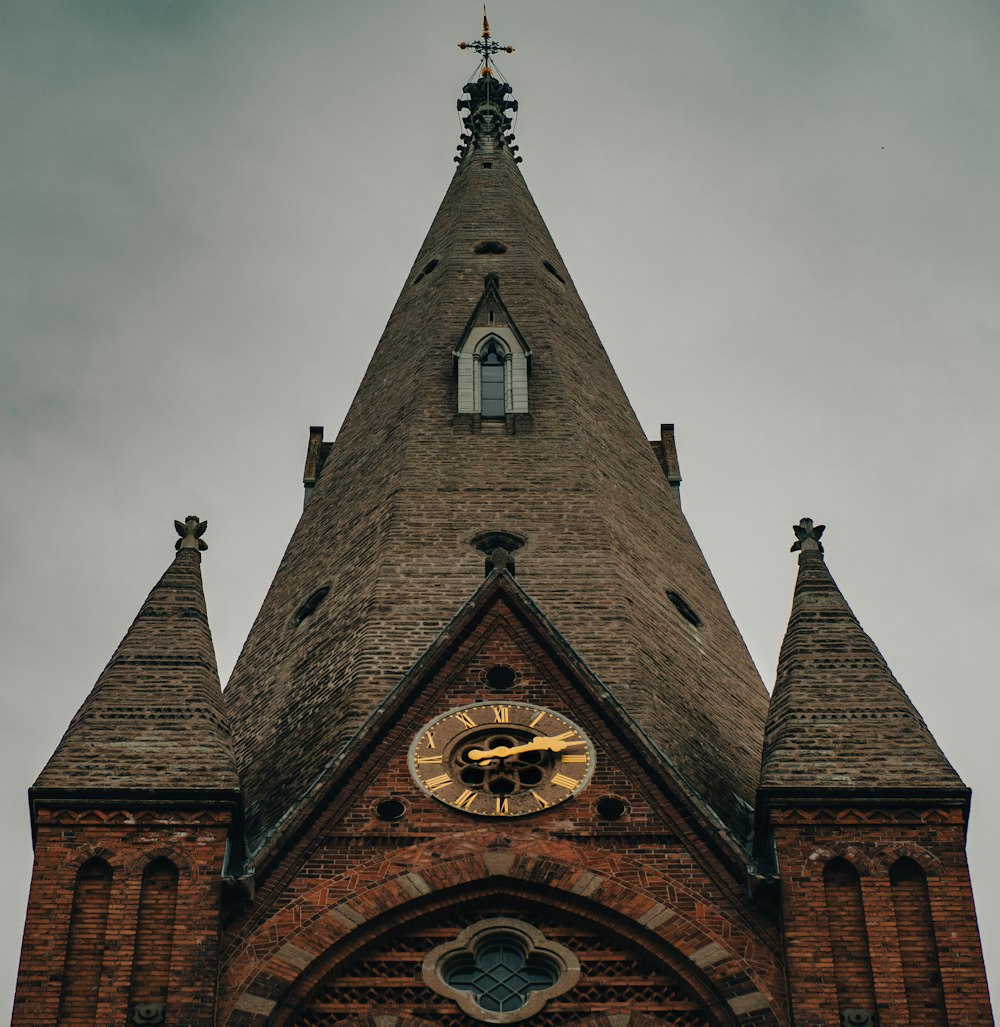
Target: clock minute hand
540, 743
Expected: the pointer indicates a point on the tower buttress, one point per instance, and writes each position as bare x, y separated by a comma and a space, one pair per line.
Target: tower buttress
133, 817
862, 819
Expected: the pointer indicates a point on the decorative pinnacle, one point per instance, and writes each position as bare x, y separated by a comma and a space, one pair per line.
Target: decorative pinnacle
486, 47
808, 536
488, 125
190, 531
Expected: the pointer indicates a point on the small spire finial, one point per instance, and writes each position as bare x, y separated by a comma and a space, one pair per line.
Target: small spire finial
190, 530
807, 536
489, 123
486, 47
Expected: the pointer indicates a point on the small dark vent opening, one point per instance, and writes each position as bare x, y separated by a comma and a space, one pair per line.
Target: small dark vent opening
500, 678
311, 605
489, 246
390, 809
610, 807
684, 609
428, 268
487, 164
552, 271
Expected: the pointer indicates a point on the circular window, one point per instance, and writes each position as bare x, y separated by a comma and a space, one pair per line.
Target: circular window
489, 246
500, 678
390, 809
610, 807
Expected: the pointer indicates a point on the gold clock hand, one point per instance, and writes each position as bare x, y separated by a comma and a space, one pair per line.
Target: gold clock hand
540, 743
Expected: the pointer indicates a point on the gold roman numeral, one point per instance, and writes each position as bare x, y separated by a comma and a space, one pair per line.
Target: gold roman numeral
503, 806
538, 717
542, 804
429, 759
465, 719
501, 714
434, 783
465, 800
574, 757
430, 740
564, 782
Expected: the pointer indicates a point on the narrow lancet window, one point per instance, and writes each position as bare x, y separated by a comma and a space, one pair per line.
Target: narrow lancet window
492, 381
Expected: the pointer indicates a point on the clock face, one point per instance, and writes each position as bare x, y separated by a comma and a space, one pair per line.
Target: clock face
501, 759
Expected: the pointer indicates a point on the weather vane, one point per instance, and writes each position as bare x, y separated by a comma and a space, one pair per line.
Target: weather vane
486, 47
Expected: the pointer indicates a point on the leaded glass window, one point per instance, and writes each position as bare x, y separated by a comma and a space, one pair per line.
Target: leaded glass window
491, 370
500, 974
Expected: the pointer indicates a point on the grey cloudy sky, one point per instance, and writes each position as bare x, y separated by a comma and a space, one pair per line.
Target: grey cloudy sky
782, 215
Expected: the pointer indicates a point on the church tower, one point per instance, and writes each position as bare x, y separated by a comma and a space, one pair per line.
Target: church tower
494, 750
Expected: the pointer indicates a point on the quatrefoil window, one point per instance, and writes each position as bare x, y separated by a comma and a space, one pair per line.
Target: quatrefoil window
500, 974
501, 970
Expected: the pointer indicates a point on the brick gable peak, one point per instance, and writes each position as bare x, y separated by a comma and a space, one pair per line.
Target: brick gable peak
480, 622
154, 725
839, 721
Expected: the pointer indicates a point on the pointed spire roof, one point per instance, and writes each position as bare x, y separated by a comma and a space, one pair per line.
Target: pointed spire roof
410, 484
154, 724
839, 721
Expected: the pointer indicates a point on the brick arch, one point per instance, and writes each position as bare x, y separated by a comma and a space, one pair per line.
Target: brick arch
292, 949
890, 854
818, 860
528, 900
74, 860
187, 867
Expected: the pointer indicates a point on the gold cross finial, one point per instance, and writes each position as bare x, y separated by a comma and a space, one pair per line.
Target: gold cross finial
486, 47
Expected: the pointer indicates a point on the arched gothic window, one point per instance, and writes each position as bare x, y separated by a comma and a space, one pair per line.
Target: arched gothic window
493, 402
492, 369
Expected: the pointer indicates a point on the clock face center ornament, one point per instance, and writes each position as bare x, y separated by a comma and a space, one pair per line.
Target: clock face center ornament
505, 759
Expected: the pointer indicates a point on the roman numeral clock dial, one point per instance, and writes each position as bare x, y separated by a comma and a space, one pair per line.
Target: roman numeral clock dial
504, 759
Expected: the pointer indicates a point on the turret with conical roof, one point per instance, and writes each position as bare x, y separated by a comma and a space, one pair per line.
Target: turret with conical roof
433, 454
154, 724
839, 721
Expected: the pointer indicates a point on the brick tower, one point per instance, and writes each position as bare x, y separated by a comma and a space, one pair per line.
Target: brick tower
494, 750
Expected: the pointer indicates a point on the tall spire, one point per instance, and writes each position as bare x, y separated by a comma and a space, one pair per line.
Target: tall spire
154, 722
385, 552
839, 721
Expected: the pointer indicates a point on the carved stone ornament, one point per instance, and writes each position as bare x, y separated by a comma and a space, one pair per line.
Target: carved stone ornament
857, 1018
148, 1012
190, 532
807, 536
501, 970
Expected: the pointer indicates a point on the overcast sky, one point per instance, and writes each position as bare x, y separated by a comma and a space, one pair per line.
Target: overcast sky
782, 216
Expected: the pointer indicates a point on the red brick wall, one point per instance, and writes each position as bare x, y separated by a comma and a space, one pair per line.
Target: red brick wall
61, 965
154, 936
872, 841
848, 932
85, 945
662, 875
917, 944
